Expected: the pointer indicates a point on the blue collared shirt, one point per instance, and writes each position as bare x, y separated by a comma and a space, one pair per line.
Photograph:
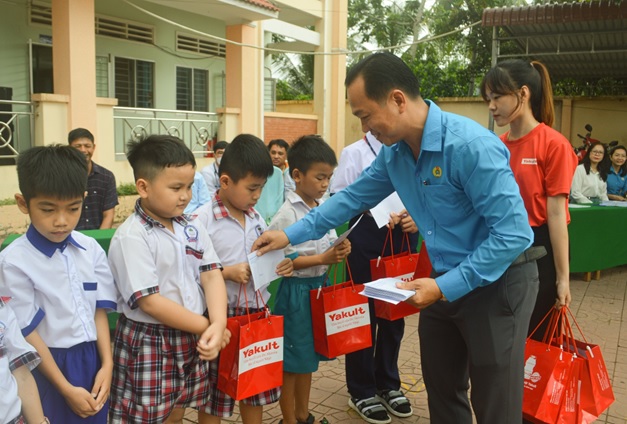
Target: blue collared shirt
460, 192
200, 194
616, 184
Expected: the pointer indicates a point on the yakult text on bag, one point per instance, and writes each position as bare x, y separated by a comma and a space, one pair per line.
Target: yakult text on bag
347, 318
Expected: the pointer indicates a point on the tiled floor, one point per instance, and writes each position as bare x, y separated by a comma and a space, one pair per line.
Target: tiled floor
599, 307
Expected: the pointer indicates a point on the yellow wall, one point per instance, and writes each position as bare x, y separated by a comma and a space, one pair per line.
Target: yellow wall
607, 115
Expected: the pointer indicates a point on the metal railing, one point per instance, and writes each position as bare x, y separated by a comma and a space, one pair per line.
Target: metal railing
17, 127
196, 129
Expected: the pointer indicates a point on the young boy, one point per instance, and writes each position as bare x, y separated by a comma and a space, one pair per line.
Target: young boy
19, 403
233, 225
312, 162
168, 275
61, 287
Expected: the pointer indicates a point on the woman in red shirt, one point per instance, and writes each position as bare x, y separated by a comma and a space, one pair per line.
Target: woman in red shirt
519, 94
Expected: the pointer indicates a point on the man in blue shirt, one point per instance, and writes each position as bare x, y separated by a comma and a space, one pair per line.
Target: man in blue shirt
454, 178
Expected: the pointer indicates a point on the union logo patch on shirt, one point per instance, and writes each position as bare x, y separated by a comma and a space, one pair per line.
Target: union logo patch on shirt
529, 161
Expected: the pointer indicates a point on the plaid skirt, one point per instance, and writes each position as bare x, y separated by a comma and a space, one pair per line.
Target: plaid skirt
17, 420
156, 369
222, 405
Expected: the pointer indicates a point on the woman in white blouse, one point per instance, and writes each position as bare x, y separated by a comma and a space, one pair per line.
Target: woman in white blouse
589, 183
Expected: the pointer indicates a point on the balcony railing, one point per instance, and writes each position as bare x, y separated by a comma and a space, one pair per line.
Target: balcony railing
196, 129
16, 129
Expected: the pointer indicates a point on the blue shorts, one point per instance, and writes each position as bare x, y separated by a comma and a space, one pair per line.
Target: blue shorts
292, 301
79, 364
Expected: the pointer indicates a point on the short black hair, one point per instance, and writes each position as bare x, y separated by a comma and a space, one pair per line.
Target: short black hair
154, 153
245, 155
220, 145
382, 73
55, 170
307, 150
77, 133
278, 142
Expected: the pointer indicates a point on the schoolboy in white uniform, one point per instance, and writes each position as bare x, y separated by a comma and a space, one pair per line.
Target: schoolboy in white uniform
61, 287
168, 275
20, 401
233, 225
312, 163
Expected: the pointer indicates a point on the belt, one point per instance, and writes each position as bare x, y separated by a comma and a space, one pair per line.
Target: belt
532, 254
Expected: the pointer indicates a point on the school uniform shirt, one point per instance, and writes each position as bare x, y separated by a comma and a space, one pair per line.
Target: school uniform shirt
616, 184
15, 352
146, 258
200, 194
233, 244
460, 192
212, 178
353, 160
289, 183
293, 210
587, 186
57, 287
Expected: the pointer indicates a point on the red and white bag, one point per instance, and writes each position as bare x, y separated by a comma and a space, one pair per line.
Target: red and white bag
340, 318
252, 362
406, 266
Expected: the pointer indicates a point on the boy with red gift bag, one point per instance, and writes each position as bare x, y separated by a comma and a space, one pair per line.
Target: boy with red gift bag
233, 225
312, 162
172, 295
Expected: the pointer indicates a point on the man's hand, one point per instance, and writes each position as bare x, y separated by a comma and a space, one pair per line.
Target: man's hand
427, 292
270, 240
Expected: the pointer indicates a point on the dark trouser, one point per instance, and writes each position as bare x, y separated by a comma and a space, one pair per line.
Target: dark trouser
374, 368
480, 337
547, 292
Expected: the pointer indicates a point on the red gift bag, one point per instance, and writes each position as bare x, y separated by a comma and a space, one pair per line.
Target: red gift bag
406, 266
570, 409
548, 369
596, 389
340, 318
252, 362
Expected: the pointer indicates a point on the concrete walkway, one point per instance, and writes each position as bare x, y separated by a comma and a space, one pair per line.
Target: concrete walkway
599, 309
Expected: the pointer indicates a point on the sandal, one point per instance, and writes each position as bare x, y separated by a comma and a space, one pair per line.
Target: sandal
370, 410
310, 420
395, 402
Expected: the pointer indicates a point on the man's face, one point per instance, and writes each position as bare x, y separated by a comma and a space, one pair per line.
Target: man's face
380, 118
85, 146
278, 155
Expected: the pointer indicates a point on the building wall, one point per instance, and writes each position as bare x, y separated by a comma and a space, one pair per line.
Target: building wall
288, 126
607, 116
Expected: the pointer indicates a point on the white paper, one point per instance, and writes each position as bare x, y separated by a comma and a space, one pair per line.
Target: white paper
345, 234
381, 212
262, 268
385, 289
614, 203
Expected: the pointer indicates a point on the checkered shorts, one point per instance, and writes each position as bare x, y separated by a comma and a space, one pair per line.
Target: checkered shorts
156, 369
17, 420
221, 404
